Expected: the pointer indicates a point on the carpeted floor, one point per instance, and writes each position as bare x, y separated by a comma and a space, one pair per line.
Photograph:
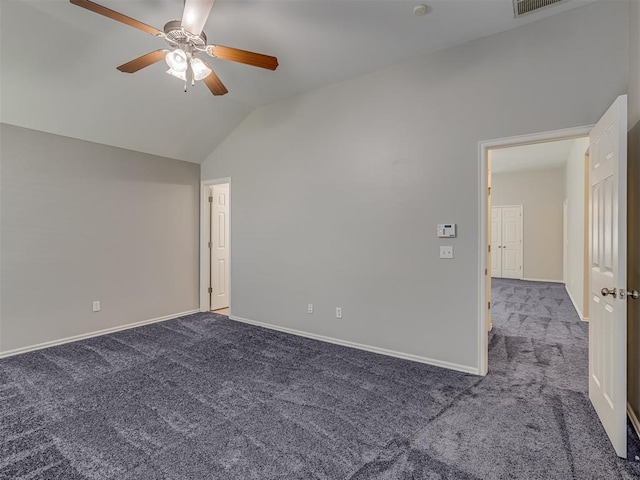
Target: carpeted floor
203, 397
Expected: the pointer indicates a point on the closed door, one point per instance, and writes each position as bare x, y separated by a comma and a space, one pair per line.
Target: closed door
219, 246
496, 242
512, 242
506, 241
607, 259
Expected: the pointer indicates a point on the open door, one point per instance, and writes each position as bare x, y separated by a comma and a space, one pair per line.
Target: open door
608, 272
219, 246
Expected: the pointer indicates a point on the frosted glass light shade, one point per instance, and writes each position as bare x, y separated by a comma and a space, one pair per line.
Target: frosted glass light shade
180, 75
177, 60
200, 69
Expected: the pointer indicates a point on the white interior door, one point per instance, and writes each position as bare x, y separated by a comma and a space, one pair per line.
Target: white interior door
608, 273
219, 246
506, 242
512, 242
496, 242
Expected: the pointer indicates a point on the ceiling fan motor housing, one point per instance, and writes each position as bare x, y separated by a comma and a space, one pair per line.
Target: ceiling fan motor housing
179, 36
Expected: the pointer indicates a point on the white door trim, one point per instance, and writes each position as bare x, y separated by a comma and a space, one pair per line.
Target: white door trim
205, 227
565, 240
483, 148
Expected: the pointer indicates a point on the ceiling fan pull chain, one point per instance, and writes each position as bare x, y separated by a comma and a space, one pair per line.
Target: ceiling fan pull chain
185, 86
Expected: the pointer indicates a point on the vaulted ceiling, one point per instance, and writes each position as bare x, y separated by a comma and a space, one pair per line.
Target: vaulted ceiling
58, 62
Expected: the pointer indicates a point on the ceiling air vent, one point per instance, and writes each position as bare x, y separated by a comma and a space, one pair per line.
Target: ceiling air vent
522, 7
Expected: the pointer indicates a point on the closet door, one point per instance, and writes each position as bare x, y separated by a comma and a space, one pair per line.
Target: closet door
512, 242
496, 241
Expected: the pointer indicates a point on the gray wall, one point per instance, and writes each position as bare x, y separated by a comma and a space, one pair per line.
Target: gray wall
84, 222
541, 193
336, 193
633, 239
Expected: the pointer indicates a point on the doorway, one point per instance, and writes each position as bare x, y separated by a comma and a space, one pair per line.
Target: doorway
535, 282
607, 251
490, 167
215, 251
531, 270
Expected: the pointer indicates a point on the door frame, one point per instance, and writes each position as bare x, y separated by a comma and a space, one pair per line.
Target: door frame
205, 229
565, 239
483, 150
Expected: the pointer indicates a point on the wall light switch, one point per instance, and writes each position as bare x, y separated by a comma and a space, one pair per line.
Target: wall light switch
96, 306
446, 251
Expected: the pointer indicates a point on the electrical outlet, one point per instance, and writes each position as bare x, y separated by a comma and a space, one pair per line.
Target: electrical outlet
310, 308
96, 306
338, 312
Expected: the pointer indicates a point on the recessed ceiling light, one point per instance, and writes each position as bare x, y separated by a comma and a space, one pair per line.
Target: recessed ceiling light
419, 10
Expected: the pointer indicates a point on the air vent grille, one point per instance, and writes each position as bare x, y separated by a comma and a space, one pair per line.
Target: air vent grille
522, 7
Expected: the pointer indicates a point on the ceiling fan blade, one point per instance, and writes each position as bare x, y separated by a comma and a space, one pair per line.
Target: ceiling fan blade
144, 61
118, 17
195, 15
214, 83
243, 56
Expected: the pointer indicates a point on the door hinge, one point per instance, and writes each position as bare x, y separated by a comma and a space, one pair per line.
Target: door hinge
489, 248
488, 305
210, 199
210, 245
485, 272
488, 190
210, 290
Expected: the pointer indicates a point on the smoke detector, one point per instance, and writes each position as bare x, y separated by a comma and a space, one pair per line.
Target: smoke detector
419, 10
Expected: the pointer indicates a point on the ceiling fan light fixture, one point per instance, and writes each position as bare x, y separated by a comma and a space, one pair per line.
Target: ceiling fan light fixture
180, 75
200, 69
177, 60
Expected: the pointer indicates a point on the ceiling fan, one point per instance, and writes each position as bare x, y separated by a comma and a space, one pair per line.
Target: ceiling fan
186, 39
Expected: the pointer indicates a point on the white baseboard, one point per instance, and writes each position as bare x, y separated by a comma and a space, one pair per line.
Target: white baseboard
575, 305
634, 419
359, 346
53, 343
541, 280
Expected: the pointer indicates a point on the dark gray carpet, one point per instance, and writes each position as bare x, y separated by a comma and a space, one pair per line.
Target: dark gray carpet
203, 397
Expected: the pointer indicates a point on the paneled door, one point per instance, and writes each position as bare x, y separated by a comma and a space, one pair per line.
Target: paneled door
219, 246
496, 241
512, 242
506, 241
608, 272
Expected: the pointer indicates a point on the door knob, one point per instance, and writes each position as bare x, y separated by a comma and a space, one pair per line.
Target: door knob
609, 291
633, 294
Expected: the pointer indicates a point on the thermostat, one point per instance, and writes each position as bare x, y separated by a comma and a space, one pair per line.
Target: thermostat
447, 230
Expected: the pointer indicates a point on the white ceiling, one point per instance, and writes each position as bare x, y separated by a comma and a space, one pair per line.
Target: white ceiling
531, 157
58, 74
